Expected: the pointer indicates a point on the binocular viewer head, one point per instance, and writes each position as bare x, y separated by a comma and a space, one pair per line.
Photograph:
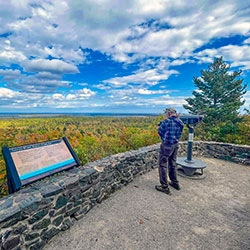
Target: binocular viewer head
191, 119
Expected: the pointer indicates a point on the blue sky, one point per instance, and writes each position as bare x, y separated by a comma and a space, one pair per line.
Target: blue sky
129, 56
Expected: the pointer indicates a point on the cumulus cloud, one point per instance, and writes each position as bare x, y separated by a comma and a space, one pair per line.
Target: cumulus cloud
43, 82
9, 55
239, 55
102, 86
57, 96
170, 29
151, 102
150, 77
47, 76
135, 95
10, 12
79, 95
177, 102
17, 99
9, 74
152, 92
85, 93
69, 55
82, 83
188, 27
247, 41
181, 62
144, 29
31, 84
7, 93
53, 66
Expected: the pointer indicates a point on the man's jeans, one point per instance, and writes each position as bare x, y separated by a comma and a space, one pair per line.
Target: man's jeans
168, 156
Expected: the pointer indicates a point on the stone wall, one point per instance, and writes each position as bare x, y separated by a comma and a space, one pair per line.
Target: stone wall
224, 151
33, 215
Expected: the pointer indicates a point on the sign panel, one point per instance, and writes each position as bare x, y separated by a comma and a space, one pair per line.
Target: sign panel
28, 163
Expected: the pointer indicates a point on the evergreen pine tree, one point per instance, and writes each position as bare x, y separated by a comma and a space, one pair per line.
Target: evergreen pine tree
219, 94
219, 98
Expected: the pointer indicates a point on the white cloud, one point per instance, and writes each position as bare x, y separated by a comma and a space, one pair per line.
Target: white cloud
167, 101
121, 28
135, 96
198, 90
43, 82
78, 95
244, 65
97, 105
121, 102
9, 55
179, 62
247, 41
47, 76
239, 55
150, 77
102, 86
69, 55
85, 92
11, 11
152, 102
61, 27
9, 74
77, 99
151, 92
189, 29
82, 84
31, 84
172, 43
7, 93
58, 96
70, 97
53, 66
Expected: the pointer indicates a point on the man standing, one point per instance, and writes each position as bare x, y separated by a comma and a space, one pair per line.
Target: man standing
170, 131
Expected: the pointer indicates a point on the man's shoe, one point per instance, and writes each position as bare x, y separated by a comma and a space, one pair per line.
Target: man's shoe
175, 186
161, 189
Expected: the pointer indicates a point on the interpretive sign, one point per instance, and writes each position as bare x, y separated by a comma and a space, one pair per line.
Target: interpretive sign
28, 163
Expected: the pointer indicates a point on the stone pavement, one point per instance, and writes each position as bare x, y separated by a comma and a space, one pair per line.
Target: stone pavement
213, 213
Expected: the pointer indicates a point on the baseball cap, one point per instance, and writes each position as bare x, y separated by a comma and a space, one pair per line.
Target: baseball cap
170, 111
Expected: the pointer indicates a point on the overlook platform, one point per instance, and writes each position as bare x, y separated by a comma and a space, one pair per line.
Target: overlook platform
213, 213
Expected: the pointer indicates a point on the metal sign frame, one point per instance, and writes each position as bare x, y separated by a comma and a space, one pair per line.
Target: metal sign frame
15, 181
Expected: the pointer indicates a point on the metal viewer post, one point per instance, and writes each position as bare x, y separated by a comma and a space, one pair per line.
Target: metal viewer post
190, 142
189, 165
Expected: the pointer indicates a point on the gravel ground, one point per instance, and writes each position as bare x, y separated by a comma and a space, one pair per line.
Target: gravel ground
213, 213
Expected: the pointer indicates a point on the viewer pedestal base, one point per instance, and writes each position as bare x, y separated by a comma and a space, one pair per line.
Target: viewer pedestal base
189, 169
